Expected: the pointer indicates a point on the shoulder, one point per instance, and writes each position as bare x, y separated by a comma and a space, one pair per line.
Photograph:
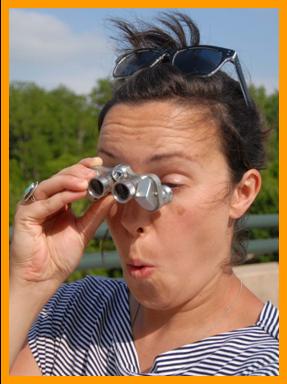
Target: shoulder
264, 348
87, 292
79, 314
269, 320
88, 298
249, 351
94, 285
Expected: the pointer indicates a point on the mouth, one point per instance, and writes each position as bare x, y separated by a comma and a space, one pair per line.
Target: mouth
138, 269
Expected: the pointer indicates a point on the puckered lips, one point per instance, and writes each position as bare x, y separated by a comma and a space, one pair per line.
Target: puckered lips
139, 269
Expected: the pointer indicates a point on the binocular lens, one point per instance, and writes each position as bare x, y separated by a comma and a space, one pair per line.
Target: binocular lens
97, 187
125, 185
122, 192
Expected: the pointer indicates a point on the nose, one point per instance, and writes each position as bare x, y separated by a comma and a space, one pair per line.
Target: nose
134, 218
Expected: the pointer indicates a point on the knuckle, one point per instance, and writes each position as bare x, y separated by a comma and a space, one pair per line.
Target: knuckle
47, 205
42, 185
70, 179
58, 200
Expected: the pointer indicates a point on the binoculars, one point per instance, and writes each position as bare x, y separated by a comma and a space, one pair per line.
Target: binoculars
124, 185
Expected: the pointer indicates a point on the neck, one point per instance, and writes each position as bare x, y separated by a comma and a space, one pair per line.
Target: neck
212, 307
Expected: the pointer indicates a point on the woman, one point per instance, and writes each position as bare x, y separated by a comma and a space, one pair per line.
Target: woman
180, 309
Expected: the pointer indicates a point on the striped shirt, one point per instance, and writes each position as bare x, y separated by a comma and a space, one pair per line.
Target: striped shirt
85, 330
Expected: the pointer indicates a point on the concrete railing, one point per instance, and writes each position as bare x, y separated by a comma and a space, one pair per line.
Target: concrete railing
261, 278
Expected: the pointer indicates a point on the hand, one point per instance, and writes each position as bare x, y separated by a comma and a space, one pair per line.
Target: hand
48, 239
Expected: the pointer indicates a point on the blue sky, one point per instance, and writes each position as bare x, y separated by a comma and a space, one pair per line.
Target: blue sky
72, 46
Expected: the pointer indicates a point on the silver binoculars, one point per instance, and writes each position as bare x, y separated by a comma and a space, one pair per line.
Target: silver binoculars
124, 185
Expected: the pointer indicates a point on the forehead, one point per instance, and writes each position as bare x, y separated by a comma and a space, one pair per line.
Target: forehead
161, 126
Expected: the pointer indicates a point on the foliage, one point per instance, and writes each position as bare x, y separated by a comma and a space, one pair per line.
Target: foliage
49, 130
267, 201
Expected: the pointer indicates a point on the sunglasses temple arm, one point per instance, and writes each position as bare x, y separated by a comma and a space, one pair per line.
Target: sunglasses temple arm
242, 82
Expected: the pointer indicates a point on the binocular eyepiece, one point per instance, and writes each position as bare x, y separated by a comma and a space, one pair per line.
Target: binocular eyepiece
125, 185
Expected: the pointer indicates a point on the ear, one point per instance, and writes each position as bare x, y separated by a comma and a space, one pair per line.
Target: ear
245, 193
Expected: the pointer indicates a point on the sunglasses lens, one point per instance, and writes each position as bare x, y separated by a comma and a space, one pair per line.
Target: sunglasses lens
135, 61
198, 61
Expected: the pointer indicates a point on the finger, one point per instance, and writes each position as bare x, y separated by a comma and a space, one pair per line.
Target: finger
83, 166
94, 216
78, 170
66, 178
59, 183
41, 209
92, 162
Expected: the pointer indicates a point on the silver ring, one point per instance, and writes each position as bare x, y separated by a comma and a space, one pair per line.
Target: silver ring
29, 192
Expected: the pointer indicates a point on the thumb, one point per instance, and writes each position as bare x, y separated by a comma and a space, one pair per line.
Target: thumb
93, 217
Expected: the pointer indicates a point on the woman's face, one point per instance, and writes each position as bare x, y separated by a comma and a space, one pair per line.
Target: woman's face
168, 256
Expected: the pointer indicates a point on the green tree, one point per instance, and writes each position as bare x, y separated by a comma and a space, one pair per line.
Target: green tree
267, 202
101, 93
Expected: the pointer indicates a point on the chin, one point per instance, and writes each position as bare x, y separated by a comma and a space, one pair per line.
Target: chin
149, 294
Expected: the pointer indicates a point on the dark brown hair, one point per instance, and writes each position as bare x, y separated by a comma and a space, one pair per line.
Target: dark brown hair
241, 129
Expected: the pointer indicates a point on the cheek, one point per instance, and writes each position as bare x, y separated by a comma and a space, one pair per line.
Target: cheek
177, 219
179, 210
194, 216
181, 206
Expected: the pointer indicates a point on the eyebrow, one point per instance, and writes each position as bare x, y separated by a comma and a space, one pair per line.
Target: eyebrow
156, 157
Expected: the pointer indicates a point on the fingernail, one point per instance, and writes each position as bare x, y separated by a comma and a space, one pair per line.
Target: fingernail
96, 161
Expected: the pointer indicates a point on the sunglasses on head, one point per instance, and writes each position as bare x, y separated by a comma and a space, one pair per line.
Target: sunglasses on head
201, 60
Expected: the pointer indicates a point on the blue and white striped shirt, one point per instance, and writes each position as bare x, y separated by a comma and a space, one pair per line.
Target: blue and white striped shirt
85, 330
